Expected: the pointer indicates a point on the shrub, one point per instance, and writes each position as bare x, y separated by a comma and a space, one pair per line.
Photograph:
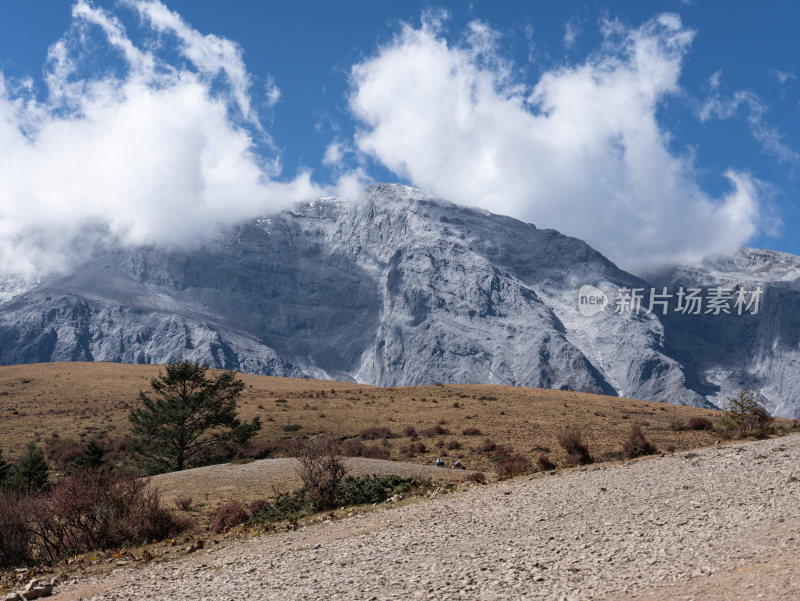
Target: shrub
321, 471
356, 448
544, 463
676, 424
292, 427
637, 445
436, 430
410, 431
91, 458
229, 516
98, 510
183, 502
410, 450
477, 477
14, 533
515, 465
572, 440
488, 446
453, 445
757, 423
285, 506
62, 451
471, 432
501, 453
699, 423
371, 489
376, 433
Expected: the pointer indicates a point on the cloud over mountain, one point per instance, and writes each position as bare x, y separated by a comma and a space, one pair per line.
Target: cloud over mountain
161, 149
581, 151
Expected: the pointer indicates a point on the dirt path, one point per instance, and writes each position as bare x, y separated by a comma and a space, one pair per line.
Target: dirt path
719, 524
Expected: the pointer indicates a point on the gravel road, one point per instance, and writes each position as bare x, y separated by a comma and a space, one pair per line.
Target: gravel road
721, 523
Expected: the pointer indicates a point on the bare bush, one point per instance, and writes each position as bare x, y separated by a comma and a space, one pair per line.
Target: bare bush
376, 433
98, 510
515, 465
14, 532
544, 463
471, 432
699, 423
637, 445
477, 477
183, 502
356, 448
488, 446
229, 516
411, 432
321, 471
62, 451
436, 430
411, 449
573, 440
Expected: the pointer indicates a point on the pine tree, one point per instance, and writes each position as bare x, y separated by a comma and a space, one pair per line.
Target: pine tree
31, 474
91, 458
188, 418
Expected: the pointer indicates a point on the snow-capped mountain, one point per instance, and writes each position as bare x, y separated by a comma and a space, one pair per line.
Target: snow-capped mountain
403, 289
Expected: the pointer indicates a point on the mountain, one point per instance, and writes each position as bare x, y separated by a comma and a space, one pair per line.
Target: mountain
403, 289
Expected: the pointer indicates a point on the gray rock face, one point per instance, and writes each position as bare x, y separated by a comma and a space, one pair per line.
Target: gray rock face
402, 289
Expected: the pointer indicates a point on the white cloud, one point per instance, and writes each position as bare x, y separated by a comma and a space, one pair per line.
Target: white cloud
782, 76
161, 154
766, 135
571, 32
581, 151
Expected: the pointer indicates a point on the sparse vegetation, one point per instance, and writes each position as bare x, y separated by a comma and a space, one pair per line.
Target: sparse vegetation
544, 463
477, 477
376, 434
228, 516
637, 445
573, 440
183, 502
515, 465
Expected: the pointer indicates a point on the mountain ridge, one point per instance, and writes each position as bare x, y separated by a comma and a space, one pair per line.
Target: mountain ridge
404, 289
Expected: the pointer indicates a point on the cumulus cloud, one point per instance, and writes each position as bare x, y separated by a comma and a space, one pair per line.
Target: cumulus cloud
581, 150
151, 152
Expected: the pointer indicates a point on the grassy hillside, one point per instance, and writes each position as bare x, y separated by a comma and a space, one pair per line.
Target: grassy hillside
87, 400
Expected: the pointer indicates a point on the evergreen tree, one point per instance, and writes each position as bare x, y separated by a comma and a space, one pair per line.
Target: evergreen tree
31, 473
91, 458
188, 418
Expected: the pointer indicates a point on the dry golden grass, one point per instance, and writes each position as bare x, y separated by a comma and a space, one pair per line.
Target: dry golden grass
86, 400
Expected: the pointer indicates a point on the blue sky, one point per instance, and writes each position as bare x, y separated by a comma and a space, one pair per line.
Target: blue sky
732, 107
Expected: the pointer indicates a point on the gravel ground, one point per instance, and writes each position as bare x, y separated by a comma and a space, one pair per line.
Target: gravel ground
721, 523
